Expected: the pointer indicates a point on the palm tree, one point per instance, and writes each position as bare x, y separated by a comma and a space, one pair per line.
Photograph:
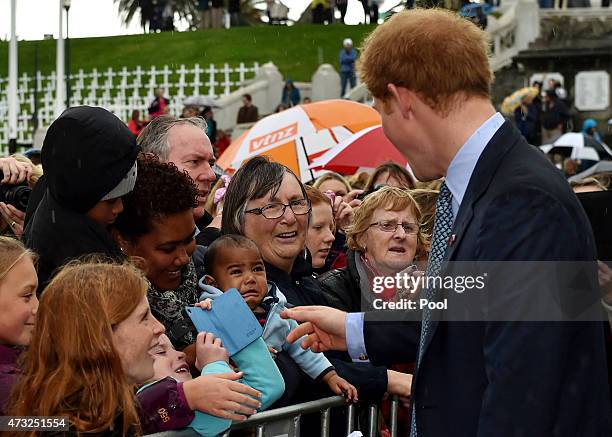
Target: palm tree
150, 10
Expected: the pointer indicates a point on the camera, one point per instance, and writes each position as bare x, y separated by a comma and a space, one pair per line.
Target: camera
15, 194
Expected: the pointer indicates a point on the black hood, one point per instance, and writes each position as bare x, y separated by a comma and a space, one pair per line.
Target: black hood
85, 154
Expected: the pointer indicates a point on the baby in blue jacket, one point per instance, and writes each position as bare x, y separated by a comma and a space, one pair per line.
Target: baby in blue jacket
234, 261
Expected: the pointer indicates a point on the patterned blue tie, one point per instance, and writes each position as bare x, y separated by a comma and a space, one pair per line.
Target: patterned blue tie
443, 225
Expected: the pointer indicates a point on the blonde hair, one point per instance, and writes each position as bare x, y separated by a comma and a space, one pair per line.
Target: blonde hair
209, 205
426, 200
332, 176
359, 180
391, 199
72, 367
412, 47
11, 252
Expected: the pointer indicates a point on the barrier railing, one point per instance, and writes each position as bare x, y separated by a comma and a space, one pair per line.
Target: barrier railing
287, 420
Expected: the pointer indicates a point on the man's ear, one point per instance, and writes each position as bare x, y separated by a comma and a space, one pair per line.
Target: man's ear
402, 99
209, 280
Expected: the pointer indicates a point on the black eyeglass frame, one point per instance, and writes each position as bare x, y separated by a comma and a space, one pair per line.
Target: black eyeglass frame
261, 211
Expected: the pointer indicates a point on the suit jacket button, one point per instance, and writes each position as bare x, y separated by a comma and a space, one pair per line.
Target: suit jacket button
363, 357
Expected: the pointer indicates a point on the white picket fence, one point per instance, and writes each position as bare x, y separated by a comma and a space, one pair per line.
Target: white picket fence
120, 91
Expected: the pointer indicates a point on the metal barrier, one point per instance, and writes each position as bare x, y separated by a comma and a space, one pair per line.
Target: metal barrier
286, 421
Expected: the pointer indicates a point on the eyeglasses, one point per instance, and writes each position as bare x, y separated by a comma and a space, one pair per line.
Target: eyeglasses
387, 226
276, 210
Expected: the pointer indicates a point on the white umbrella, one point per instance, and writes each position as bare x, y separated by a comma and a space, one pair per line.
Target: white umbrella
573, 152
580, 140
600, 167
201, 101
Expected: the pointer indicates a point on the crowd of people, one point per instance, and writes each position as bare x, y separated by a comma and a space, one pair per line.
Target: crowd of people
158, 248
108, 242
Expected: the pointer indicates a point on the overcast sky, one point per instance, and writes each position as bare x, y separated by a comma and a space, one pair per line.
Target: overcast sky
35, 18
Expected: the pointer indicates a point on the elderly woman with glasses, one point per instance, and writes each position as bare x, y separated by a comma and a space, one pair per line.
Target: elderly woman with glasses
266, 202
384, 239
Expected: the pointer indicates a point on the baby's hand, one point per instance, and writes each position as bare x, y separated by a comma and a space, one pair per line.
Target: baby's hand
341, 386
209, 349
206, 304
273, 352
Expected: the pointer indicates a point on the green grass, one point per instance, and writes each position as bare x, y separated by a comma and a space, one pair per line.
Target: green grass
297, 50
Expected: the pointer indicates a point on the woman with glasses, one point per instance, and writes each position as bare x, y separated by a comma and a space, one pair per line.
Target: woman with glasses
384, 239
266, 202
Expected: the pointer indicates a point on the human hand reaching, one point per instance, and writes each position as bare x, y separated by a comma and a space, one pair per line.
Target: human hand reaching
322, 326
209, 349
341, 386
222, 396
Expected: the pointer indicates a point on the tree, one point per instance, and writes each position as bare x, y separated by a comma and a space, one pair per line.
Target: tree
152, 12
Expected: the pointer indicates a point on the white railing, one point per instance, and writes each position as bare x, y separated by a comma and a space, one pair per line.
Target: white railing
580, 14
120, 91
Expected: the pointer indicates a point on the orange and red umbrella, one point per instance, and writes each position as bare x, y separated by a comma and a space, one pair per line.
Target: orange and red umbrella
367, 148
297, 136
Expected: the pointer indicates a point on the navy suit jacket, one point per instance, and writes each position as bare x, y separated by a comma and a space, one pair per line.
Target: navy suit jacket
508, 378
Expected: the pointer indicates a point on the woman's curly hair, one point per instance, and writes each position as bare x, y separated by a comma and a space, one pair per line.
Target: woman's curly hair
161, 189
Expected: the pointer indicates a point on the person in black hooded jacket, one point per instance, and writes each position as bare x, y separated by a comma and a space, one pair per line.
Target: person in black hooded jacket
89, 159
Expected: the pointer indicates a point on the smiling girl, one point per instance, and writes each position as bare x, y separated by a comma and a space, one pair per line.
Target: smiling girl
18, 306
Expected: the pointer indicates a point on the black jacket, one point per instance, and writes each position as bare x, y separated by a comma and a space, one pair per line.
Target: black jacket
86, 153
342, 287
300, 288
485, 378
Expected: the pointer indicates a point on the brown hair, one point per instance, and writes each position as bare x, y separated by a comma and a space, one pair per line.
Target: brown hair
396, 171
11, 252
316, 196
71, 367
426, 200
332, 176
391, 199
359, 180
432, 52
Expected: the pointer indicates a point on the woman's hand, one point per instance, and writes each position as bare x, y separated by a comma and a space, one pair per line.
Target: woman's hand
400, 384
13, 218
14, 171
341, 386
209, 349
343, 213
414, 280
351, 198
221, 396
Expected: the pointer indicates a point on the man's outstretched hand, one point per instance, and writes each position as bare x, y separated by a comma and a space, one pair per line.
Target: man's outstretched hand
322, 326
